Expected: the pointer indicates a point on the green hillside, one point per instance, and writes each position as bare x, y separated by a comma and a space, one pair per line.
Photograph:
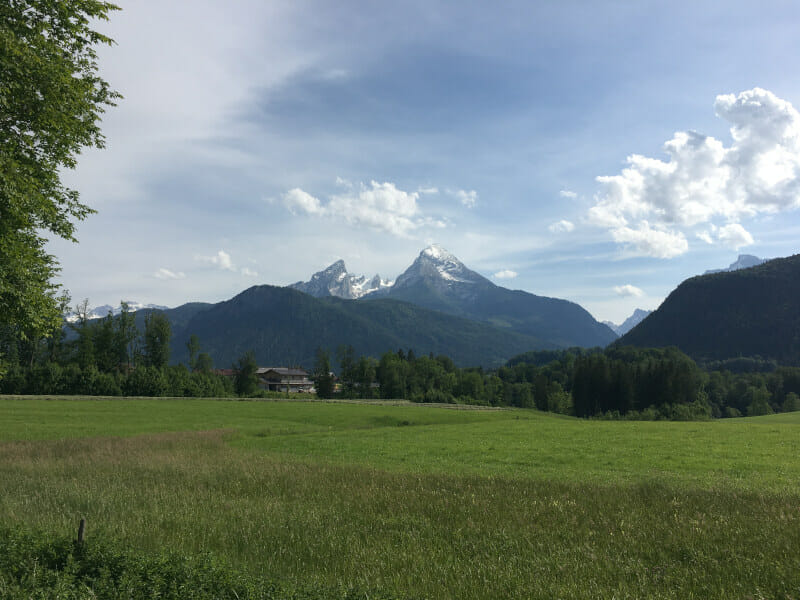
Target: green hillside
750, 312
560, 322
285, 326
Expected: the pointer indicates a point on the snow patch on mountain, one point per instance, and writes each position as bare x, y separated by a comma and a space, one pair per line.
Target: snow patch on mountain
101, 311
336, 281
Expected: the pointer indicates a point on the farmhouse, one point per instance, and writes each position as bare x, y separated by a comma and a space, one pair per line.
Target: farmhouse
282, 379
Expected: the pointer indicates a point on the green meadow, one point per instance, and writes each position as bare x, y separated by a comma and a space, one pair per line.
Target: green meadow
411, 501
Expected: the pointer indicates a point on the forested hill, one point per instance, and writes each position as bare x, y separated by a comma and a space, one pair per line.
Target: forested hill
284, 326
751, 312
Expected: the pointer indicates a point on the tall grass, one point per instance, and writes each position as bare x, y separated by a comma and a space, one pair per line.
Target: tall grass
417, 502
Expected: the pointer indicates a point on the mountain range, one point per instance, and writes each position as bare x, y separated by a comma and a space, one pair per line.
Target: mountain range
436, 306
749, 312
439, 281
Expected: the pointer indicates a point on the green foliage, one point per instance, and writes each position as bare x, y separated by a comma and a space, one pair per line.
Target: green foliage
791, 403
245, 382
37, 566
51, 101
157, 334
323, 380
193, 347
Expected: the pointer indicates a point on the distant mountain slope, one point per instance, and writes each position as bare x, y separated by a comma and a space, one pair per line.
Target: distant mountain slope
439, 281
745, 261
284, 326
637, 317
748, 312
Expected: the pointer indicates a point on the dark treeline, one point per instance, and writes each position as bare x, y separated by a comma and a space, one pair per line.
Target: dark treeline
113, 357
107, 357
625, 382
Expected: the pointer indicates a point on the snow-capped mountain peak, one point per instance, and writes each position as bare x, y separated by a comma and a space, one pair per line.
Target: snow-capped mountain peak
435, 263
336, 281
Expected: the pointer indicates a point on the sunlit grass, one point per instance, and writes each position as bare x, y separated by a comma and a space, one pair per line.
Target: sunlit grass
421, 501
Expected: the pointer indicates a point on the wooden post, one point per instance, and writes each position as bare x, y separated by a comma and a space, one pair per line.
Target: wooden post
81, 531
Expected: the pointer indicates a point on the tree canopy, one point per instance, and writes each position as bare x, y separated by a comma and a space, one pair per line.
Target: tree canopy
51, 102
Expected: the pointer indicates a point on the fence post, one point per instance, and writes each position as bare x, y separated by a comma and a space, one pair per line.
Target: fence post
81, 531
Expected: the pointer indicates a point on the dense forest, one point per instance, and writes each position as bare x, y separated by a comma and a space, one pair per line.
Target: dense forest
627, 382
115, 356
726, 315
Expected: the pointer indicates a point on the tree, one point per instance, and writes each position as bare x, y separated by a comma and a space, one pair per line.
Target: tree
323, 380
246, 380
157, 333
204, 363
51, 101
193, 346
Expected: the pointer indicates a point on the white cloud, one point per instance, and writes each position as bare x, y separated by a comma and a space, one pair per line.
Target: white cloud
163, 273
467, 198
704, 180
561, 227
705, 235
647, 241
428, 190
628, 290
505, 274
734, 236
248, 272
568, 194
221, 259
296, 200
380, 206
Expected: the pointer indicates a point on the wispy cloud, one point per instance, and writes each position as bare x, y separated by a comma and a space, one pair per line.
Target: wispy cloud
561, 227
467, 198
650, 205
163, 273
568, 194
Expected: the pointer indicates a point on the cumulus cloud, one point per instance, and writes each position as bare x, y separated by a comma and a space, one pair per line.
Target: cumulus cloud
628, 290
505, 274
647, 241
651, 204
298, 201
221, 260
380, 206
734, 236
467, 198
163, 273
561, 227
568, 194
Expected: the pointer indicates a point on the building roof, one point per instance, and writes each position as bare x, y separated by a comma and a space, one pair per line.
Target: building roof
282, 371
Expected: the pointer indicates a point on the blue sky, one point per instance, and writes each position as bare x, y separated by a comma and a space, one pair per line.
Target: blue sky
259, 142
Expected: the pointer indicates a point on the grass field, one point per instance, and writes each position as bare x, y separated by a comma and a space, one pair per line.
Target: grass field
418, 501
